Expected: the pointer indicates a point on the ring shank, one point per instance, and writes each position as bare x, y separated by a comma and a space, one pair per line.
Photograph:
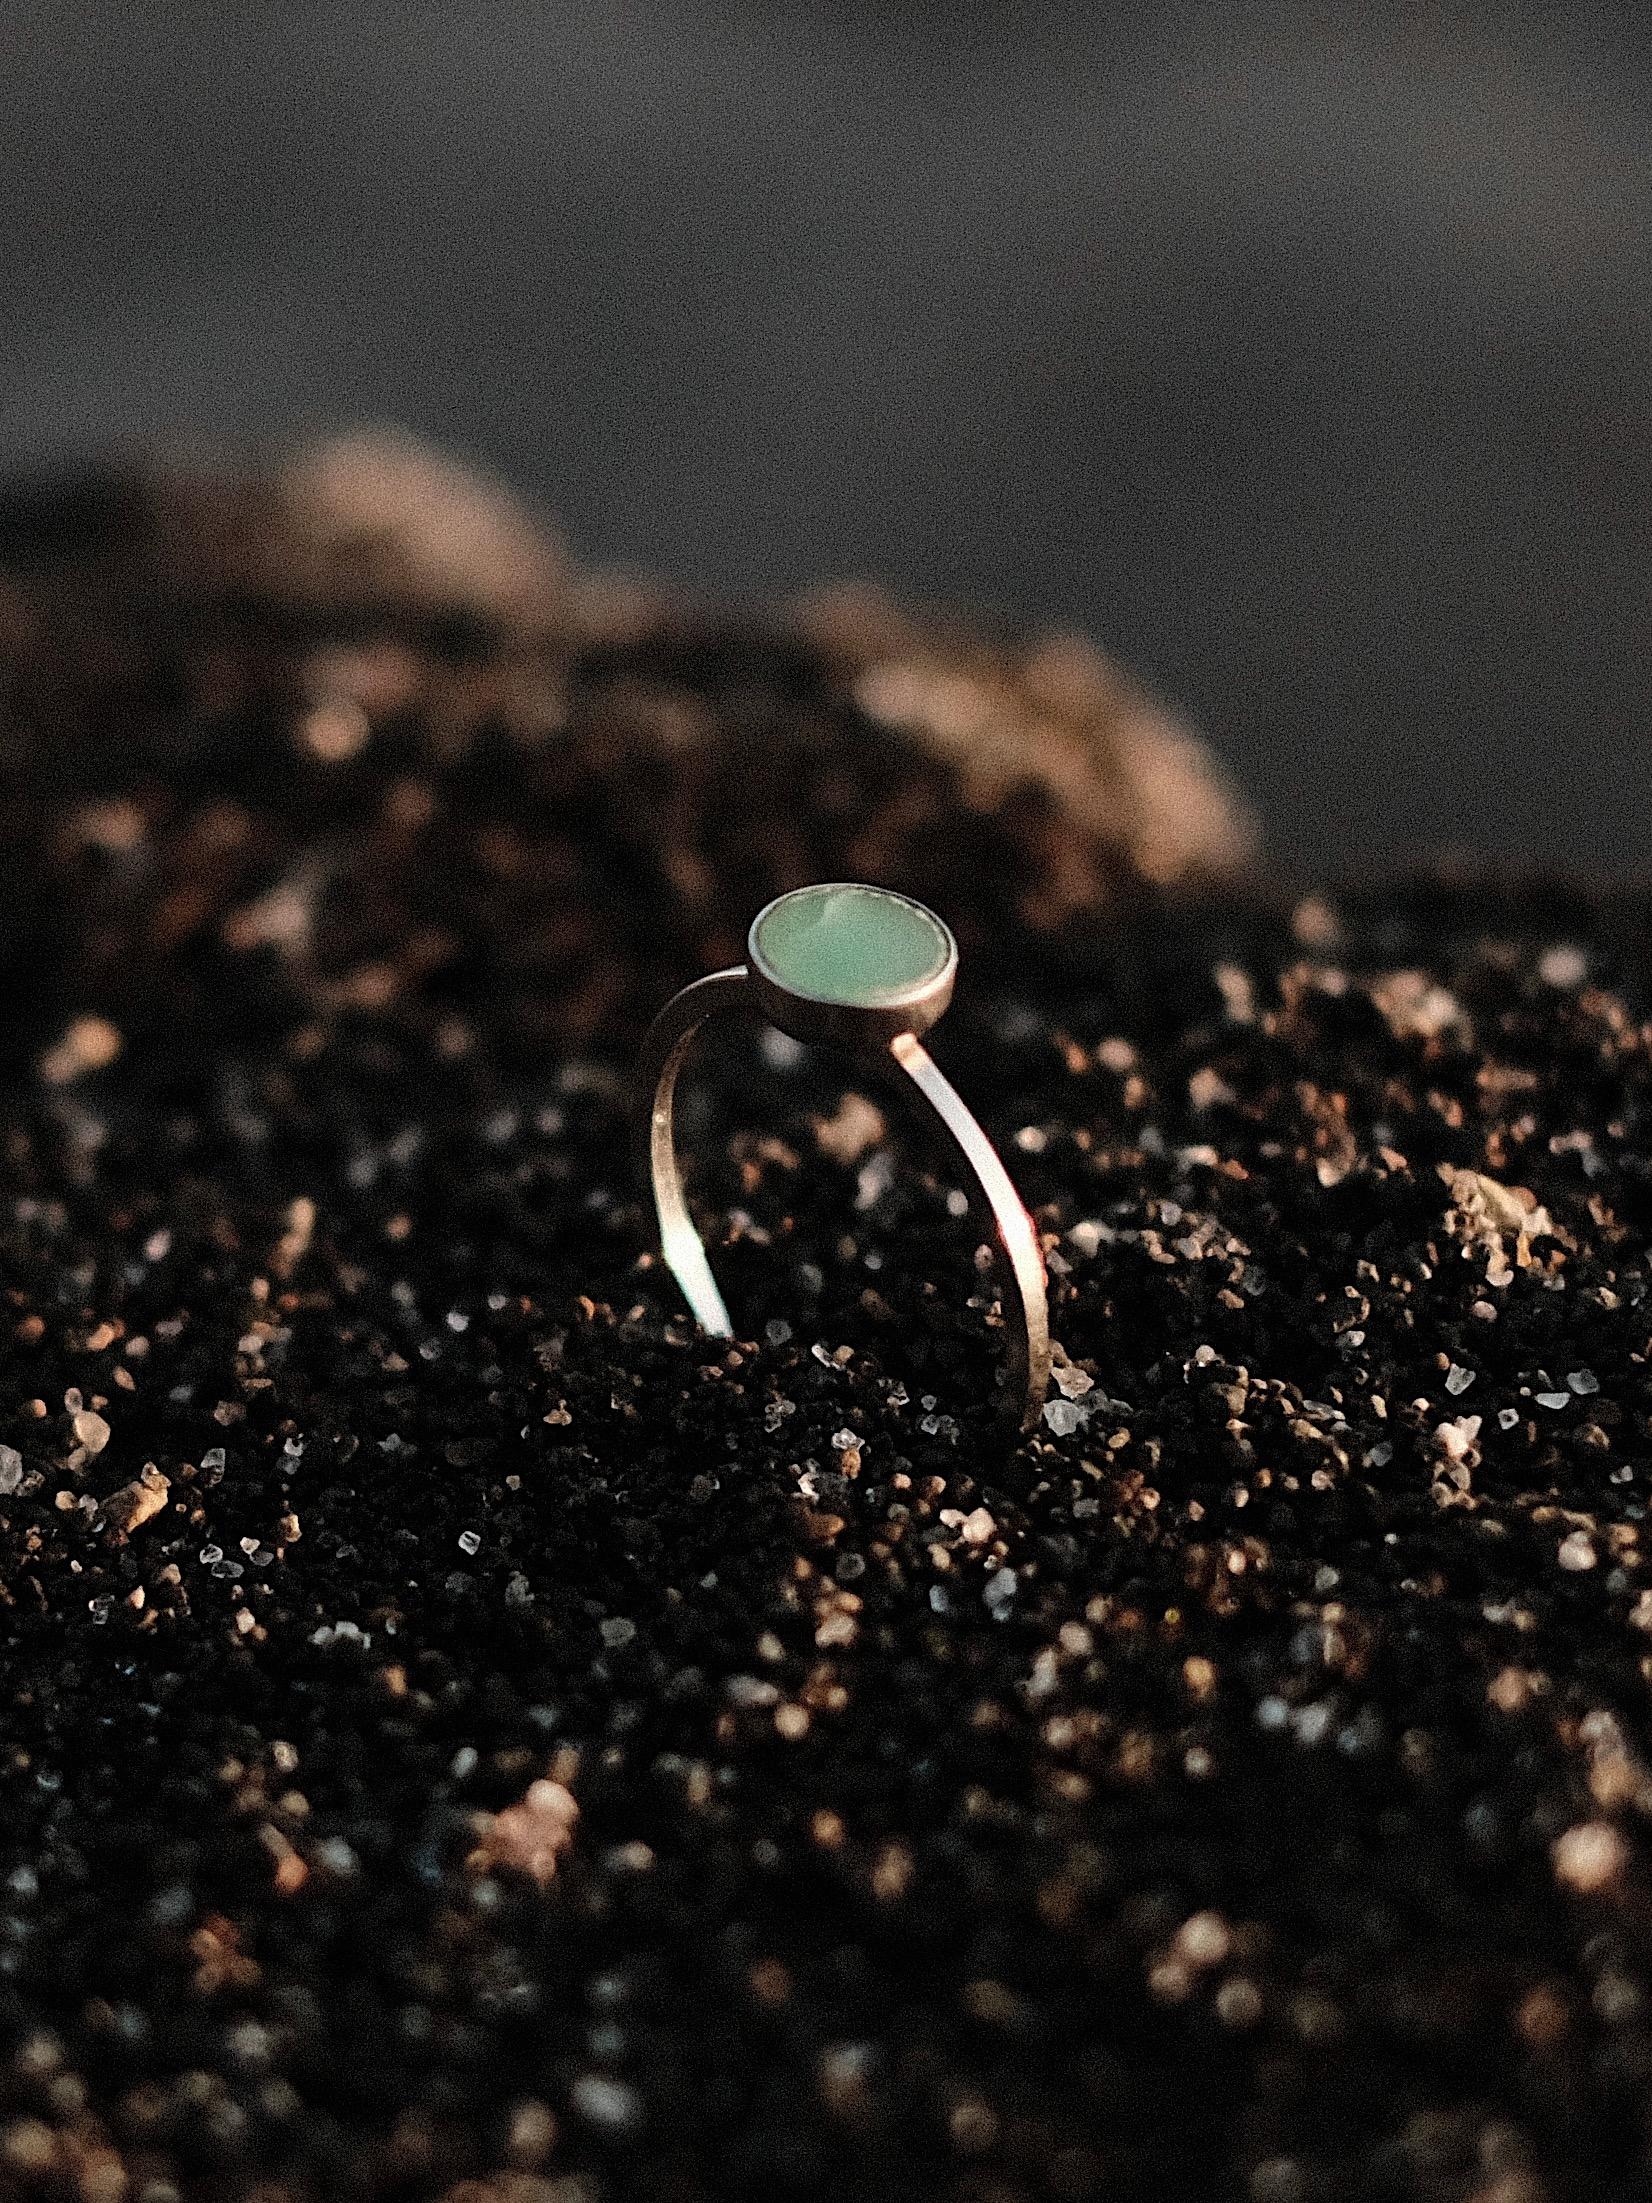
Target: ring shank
992, 1195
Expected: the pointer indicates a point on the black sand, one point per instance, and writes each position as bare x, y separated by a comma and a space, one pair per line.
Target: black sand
1240, 1791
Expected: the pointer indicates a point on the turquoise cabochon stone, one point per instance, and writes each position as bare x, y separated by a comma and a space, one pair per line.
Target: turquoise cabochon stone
863, 947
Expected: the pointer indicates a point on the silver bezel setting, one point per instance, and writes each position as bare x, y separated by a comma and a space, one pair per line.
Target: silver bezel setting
854, 1025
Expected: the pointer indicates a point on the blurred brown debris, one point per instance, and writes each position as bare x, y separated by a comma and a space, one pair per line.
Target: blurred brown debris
367, 600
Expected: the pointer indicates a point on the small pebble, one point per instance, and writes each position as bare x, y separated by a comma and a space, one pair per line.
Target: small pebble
606, 2103
1589, 1857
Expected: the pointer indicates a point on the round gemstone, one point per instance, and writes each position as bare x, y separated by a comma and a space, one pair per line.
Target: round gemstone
862, 947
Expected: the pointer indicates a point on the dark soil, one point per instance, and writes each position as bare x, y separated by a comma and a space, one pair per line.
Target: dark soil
1240, 1791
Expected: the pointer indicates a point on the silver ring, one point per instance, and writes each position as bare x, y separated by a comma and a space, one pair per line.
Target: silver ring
865, 971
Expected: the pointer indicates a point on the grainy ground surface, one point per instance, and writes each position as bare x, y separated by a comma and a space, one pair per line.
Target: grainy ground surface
459, 1736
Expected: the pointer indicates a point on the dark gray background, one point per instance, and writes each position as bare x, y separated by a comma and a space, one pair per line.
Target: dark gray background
1302, 356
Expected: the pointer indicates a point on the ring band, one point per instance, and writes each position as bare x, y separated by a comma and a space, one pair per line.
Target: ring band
865, 971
